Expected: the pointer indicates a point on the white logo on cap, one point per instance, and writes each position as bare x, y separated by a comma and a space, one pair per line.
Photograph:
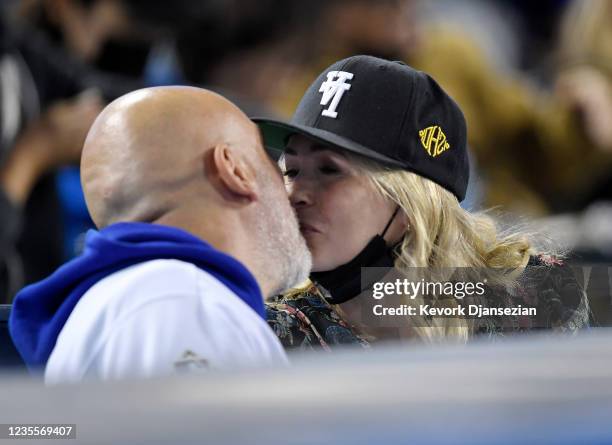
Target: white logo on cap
333, 89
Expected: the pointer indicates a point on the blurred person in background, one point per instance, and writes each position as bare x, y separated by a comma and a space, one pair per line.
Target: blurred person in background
154, 41
582, 76
111, 36
376, 165
535, 151
44, 117
584, 83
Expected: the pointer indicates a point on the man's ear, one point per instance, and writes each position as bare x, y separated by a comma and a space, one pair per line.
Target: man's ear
234, 174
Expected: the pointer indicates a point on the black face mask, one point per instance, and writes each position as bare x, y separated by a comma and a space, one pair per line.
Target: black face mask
344, 282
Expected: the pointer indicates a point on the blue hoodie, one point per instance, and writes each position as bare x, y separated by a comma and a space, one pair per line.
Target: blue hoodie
40, 310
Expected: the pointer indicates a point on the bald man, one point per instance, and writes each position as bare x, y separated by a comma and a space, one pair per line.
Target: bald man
195, 226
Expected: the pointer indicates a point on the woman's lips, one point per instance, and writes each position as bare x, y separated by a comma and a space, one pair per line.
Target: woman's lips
307, 229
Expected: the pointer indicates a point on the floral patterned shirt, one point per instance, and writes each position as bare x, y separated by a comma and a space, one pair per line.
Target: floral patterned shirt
305, 320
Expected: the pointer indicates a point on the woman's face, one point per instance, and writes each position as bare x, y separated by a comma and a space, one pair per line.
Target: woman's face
339, 210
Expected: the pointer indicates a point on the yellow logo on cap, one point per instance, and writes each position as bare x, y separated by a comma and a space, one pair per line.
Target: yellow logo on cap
434, 140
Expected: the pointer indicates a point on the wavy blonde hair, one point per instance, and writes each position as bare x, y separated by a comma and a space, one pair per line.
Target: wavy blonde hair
443, 235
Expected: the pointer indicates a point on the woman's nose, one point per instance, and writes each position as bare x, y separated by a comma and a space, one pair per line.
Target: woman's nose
300, 194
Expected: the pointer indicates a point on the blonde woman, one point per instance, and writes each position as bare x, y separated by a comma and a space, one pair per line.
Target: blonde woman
376, 165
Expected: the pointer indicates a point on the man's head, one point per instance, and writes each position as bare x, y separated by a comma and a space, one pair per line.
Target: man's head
189, 158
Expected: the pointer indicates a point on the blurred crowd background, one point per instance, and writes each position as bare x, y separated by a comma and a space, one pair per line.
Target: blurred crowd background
534, 79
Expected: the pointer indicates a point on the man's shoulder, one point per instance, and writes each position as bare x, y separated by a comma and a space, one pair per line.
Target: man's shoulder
129, 289
150, 279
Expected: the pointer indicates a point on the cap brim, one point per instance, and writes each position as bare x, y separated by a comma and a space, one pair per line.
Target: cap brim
276, 133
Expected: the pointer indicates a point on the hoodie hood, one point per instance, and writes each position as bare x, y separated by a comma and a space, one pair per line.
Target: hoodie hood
40, 310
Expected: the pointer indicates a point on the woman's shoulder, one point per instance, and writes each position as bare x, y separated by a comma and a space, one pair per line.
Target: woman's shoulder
548, 294
555, 288
542, 259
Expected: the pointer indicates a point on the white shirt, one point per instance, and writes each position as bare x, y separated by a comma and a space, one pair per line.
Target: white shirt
159, 318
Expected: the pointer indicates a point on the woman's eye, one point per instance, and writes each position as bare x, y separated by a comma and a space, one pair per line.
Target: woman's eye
328, 170
290, 173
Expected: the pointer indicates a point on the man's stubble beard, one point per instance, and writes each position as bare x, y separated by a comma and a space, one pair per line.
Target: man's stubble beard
283, 251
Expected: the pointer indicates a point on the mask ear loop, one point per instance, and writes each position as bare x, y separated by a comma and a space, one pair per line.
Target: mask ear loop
390, 221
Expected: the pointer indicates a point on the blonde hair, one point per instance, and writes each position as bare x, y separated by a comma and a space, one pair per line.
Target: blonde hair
586, 30
442, 235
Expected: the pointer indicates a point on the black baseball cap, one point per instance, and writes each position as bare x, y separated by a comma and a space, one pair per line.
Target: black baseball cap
385, 111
